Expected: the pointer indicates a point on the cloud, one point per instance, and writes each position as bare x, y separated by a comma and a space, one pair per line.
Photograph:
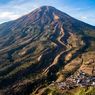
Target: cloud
8, 15
83, 17
14, 9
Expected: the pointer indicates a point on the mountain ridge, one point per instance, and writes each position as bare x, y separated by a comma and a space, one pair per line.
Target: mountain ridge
45, 7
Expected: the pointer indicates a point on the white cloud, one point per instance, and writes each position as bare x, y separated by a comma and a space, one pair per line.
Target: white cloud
83, 17
8, 15
15, 9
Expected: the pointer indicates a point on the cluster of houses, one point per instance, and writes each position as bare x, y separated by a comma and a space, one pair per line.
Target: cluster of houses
80, 79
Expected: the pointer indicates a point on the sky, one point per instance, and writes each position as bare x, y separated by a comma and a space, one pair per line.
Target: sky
83, 10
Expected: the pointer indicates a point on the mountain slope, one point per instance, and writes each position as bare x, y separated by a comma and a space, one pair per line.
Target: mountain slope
42, 47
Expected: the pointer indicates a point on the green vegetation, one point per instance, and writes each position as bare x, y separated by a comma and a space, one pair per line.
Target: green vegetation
76, 91
86, 91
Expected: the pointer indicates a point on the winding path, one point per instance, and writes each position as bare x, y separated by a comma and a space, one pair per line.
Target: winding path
55, 61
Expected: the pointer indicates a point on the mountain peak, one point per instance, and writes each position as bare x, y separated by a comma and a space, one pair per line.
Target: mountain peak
46, 14
47, 6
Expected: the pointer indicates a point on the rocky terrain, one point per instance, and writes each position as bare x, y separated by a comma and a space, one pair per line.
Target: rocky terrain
47, 52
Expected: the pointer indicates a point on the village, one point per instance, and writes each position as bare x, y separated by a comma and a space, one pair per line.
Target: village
81, 79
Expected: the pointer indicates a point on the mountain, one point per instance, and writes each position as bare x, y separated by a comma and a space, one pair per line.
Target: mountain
47, 52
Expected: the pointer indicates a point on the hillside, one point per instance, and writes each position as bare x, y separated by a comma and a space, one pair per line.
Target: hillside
46, 51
